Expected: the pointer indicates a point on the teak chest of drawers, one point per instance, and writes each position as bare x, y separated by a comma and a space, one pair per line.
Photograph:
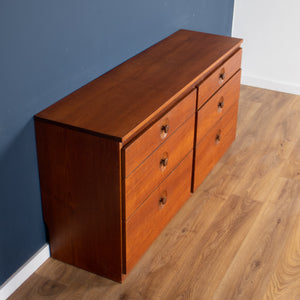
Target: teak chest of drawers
121, 155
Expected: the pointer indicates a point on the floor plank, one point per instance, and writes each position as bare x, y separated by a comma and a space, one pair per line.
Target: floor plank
285, 280
252, 266
238, 236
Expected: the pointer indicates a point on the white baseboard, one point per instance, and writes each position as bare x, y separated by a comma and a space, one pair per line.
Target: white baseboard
271, 85
24, 272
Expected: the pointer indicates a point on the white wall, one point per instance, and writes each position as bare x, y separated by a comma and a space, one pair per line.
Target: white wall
271, 33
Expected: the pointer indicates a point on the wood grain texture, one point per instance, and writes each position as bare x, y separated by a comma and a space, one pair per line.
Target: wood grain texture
237, 236
210, 150
174, 67
138, 150
137, 122
80, 178
253, 262
211, 84
150, 174
150, 219
217, 106
272, 139
285, 282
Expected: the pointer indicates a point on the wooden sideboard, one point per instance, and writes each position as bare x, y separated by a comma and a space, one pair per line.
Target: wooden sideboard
119, 156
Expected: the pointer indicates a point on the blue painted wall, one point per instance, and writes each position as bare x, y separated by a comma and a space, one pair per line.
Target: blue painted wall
47, 50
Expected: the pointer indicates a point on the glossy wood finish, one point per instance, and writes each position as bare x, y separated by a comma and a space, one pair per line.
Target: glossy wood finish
137, 151
236, 238
80, 178
151, 173
214, 145
131, 97
219, 77
150, 219
115, 141
217, 106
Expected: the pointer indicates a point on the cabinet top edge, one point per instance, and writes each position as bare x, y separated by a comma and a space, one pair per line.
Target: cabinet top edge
122, 101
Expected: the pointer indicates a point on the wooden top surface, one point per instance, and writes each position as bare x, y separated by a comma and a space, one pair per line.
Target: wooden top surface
120, 102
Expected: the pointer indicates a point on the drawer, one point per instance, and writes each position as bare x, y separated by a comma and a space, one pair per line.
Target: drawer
214, 145
218, 106
138, 150
158, 166
154, 214
219, 77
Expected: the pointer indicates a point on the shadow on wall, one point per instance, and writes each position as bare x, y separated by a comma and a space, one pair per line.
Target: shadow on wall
20, 204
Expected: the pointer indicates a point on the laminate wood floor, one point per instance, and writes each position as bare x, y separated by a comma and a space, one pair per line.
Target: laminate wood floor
238, 236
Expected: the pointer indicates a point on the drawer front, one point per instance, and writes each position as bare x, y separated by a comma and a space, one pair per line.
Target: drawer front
214, 145
158, 166
154, 214
218, 78
218, 106
137, 151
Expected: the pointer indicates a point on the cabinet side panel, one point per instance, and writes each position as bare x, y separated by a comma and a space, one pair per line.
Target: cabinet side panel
80, 188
